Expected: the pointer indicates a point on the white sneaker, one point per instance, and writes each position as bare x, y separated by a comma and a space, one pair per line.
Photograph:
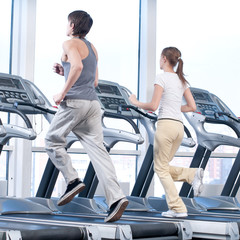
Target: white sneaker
173, 214
197, 183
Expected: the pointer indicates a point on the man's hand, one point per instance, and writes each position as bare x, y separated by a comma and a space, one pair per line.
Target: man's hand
58, 98
58, 68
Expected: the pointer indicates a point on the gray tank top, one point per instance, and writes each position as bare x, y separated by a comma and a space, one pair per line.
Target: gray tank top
83, 88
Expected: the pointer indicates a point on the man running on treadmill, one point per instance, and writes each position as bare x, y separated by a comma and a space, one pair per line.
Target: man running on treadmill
80, 112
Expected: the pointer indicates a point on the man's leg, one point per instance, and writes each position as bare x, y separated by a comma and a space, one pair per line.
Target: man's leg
55, 140
90, 134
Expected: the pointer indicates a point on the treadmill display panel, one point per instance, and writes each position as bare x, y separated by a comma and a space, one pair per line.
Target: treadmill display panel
111, 96
198, 96
207, 104
108, 89
10, 84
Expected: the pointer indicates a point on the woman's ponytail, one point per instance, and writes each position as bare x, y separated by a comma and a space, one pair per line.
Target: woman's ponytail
173, 56
179, 71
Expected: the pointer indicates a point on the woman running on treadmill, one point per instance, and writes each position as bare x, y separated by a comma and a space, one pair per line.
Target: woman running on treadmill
80, 112
169, 89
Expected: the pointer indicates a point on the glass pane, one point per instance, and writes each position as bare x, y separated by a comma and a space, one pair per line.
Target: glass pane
115, 35
124, 165
3, 165
80, 163
125, 169
177, 161
206, 34
39, 161
5, 26
216, 174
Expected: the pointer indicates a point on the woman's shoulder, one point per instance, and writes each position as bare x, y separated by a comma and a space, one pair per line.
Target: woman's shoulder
159, 76
162, 77
159, 80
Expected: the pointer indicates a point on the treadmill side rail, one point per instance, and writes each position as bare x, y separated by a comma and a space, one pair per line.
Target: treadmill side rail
215, 230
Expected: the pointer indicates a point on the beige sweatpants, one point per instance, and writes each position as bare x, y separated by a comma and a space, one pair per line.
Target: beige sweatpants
168, 137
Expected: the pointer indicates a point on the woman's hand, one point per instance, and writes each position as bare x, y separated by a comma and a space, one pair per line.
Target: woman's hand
149, 106
133, 99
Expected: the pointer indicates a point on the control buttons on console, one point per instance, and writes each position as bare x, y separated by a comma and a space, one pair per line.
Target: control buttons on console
112, 103
209, 112
113, 106
2, 94
11, 96
24, 96
12, 100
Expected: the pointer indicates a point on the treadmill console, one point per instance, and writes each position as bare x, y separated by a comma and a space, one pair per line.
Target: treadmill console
212, 110
12, 89
16, 90
111, 95
209, 105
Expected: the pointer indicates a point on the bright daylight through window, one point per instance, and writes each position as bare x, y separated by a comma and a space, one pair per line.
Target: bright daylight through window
115, 35
206, 34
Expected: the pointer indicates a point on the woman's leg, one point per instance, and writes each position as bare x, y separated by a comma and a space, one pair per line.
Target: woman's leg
168, 138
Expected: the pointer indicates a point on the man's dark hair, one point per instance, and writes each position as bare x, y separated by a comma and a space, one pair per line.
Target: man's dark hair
82, 23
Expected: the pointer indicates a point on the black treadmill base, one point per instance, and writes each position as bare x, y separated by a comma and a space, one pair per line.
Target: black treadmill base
59, 233
154, 230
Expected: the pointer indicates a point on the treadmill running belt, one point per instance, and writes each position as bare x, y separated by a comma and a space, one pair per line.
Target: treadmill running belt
154, 230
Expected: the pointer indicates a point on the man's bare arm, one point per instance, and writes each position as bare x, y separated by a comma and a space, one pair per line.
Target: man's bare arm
76, 66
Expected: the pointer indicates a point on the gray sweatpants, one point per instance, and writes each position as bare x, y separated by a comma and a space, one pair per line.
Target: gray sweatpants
83, 118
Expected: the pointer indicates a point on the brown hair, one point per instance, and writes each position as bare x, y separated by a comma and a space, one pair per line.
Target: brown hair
173, 56
82, 23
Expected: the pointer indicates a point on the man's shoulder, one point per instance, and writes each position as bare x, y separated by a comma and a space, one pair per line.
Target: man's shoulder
70, 44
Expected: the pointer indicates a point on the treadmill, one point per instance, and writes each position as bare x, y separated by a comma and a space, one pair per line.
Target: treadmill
204, 225
85, 202
114, 100
35, 231
28, 218
213, 110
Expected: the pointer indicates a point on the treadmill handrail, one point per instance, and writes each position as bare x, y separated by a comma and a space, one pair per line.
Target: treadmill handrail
13, 131
119, 116
218, 121
207, 139
230, 116
15, 110
47, 110
152, 117
187, 132
2, 129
